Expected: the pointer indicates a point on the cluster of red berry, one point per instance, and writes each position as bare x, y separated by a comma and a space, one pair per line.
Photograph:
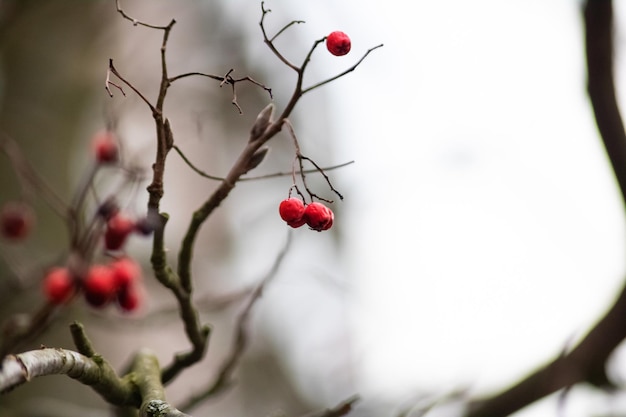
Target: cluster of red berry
118, 279
316, 215
100, 284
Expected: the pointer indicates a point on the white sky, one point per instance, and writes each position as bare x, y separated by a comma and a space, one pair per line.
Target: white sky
490, 230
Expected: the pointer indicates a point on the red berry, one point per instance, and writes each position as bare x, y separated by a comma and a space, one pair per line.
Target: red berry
105, 147
118, 228
16, 220
291, 210
318, 216
58, 285
125, 272
338, 43
99, 285
129, 298
298, 223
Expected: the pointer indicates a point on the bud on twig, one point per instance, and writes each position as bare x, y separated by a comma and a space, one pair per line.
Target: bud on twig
257, 158
263, 120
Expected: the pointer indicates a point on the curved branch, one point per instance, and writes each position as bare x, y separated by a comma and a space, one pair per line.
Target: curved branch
587, 361
95, 372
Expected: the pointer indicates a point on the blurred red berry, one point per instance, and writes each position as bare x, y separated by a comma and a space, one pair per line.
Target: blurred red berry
291, 210
118, 228
16, 220
146, 225
129, 298
338, 43
99, 285
318, 216
58, 285
108, 208
105, 147
125, 272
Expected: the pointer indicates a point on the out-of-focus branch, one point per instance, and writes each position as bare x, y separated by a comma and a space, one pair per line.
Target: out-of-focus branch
22, 328
587, 361
339, 410
598, 15
224, 377
30, 180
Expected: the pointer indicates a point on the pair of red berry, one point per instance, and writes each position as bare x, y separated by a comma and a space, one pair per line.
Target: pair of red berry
119, 280
316, 215
119, 225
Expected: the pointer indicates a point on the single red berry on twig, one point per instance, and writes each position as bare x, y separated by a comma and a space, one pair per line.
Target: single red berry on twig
291, 210
58, 285
118, 228
338, 43
318, 216
99, 285
105, 147
16, 220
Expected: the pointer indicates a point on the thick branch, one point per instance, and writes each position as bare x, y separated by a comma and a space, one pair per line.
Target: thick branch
95, 372
146, 365
598, 16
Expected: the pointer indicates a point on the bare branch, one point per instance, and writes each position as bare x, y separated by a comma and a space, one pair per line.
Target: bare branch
339, 410
287, 26
114, 71
136, 22
255, 178
223, 380
269, 42
349, 70
30, 180
21, 368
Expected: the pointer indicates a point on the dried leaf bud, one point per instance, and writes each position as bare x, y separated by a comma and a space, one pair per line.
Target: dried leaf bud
263, 120
257, 158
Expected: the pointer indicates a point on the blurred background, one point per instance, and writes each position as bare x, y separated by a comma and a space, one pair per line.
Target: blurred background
481, 231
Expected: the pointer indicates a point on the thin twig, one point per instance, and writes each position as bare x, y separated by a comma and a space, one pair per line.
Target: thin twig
253, 178
30, 178
135, 21
352, 68
287, 26
114, 71
269, 42
302, 171
339, 410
